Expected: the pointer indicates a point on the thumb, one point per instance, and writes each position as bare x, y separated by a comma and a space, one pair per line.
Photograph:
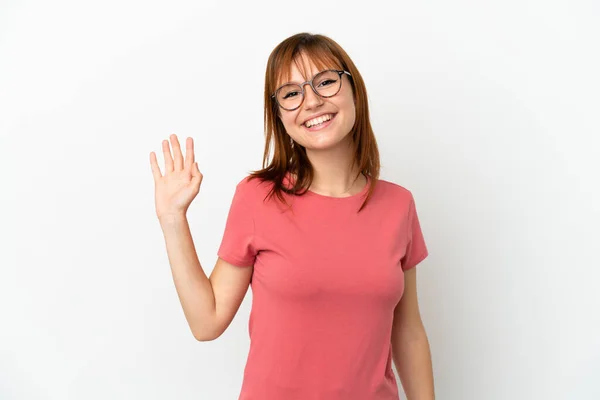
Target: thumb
196, 171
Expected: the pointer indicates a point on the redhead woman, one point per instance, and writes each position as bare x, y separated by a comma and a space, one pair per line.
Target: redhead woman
328, 248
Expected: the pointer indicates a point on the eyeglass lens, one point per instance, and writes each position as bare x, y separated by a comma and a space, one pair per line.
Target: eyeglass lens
327, 83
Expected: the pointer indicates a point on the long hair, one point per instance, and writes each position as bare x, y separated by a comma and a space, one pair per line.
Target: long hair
290, 157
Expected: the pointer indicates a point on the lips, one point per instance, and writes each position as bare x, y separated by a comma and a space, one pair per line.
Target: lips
317, 116
320, 127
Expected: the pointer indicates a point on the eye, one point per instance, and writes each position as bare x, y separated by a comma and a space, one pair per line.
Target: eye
290, 94
327, 82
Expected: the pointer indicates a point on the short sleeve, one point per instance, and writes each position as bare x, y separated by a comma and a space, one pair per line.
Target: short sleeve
416, 249
237, 245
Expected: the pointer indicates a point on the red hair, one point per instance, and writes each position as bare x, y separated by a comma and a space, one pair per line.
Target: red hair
325, 54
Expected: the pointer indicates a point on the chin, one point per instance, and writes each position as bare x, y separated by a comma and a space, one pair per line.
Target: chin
326, 142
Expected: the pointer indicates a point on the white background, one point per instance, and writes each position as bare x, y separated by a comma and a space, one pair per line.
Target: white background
487, 111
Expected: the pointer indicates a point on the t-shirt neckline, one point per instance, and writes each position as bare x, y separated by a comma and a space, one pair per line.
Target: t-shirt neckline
362, 192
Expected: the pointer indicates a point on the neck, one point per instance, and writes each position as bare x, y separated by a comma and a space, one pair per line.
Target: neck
335, 172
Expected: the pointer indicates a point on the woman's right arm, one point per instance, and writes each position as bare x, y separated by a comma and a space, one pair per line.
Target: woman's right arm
209, 304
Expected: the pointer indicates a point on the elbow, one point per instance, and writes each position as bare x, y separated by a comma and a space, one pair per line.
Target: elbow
410, 332
205, 335
203, 338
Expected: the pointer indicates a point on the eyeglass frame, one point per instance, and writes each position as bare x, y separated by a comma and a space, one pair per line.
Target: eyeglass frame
310, 82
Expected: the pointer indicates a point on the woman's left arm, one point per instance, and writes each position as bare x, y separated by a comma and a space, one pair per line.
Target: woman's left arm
410, 346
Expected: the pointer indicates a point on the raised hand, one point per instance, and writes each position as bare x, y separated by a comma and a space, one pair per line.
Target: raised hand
175, 190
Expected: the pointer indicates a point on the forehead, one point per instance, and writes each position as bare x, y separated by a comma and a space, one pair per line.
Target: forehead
304, 66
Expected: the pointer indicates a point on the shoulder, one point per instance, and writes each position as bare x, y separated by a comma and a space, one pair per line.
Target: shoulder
394, 193
250, 186
252, 189
399, 200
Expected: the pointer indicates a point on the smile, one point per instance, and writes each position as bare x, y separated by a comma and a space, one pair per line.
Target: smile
319, 123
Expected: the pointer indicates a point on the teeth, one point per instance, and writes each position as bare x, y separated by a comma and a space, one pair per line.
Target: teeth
318, 120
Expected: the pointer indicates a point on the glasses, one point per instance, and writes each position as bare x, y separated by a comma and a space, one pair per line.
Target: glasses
325, 84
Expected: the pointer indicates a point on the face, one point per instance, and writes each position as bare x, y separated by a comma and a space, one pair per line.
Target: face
340, 107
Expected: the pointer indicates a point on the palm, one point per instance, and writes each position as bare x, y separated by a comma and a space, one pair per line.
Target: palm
175, 190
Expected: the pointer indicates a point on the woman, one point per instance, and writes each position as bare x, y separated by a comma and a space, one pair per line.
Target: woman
328, 248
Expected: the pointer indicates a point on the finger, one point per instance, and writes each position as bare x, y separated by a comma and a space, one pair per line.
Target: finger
167, 156
178, 157
189, 153
155, 168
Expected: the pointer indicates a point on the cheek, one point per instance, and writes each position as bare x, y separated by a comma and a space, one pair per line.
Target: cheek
288, 122
350, 111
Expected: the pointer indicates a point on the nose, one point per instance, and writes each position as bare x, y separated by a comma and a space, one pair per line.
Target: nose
311, 99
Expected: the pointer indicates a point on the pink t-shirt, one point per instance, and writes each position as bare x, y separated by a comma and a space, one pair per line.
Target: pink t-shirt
325, 284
